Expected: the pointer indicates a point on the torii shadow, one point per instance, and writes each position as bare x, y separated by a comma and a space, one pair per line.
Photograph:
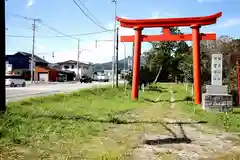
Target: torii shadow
115, 120
170, 140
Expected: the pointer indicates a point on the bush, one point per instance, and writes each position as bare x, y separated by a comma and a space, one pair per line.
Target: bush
234, 94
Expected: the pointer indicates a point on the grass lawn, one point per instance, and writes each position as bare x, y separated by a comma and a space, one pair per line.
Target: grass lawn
229, 122
59, 126
216, 122
96, 124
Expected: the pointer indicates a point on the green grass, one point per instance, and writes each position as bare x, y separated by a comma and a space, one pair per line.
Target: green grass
229, 122
56, 127
84, 124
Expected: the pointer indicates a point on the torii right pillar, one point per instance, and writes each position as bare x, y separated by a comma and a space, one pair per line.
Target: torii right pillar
196, 63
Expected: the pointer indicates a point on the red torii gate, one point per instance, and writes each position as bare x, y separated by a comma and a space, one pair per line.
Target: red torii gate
194, 22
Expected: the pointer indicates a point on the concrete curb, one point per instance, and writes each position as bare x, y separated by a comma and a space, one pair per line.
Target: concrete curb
46, 83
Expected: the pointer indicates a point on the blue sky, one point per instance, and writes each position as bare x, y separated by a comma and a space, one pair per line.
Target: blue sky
66, 17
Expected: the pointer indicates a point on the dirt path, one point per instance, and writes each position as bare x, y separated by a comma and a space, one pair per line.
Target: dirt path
186, 142
186, 139
159, 131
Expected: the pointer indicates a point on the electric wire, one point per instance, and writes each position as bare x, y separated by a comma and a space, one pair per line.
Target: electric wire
55, 30
96, 20
100, 26
80, 34
40, 22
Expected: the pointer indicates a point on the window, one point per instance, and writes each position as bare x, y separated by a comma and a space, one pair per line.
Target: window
72, 66
66, 67
13, 77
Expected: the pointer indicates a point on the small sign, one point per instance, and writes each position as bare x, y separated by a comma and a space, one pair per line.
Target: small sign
8, 67
216, 69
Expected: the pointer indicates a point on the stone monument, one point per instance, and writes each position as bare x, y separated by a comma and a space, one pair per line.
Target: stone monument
216, 96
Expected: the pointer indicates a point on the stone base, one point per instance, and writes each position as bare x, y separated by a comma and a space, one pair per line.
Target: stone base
217, 102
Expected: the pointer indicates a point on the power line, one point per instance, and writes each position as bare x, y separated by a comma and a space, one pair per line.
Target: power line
80, 34
16, 36
55, 30
23, 17
19, 26
94, 21
41, 22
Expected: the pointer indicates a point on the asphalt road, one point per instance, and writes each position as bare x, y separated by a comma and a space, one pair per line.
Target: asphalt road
18, 93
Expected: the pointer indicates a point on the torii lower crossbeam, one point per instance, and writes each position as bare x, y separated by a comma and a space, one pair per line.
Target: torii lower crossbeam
181, 37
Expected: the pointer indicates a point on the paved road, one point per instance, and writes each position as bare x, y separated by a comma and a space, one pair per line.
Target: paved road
18, 93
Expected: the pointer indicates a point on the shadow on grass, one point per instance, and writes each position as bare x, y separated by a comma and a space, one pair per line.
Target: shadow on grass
175, 139
156, 90
236, 112
113, 120
186, 99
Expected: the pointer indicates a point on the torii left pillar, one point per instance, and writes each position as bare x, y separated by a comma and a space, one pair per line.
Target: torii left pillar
136, 62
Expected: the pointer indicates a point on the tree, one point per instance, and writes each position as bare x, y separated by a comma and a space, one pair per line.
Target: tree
159, 58
166, 61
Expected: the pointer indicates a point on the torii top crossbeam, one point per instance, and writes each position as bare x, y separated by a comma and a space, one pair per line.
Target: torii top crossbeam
169, 22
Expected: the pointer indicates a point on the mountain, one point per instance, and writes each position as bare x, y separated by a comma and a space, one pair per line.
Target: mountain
98, 67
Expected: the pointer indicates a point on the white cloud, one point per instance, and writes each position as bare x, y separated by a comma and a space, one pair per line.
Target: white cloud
102, 53
222, 25
90, 53
41, 48
230, 23
30, 3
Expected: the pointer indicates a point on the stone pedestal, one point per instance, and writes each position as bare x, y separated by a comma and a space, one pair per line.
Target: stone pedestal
217, 98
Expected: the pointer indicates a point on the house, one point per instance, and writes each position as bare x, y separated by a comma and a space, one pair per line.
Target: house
70, 75
43, 73
71, 65
21, 63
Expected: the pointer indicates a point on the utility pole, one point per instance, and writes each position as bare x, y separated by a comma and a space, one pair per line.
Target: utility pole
33, 50
124, 64
33, 44
3, 63
117, 58
78, 54
114, 41
133, 54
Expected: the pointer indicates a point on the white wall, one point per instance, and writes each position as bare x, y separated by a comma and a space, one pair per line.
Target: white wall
83, 70
8, 67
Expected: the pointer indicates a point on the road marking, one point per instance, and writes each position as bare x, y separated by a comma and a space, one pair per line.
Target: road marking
30, 94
